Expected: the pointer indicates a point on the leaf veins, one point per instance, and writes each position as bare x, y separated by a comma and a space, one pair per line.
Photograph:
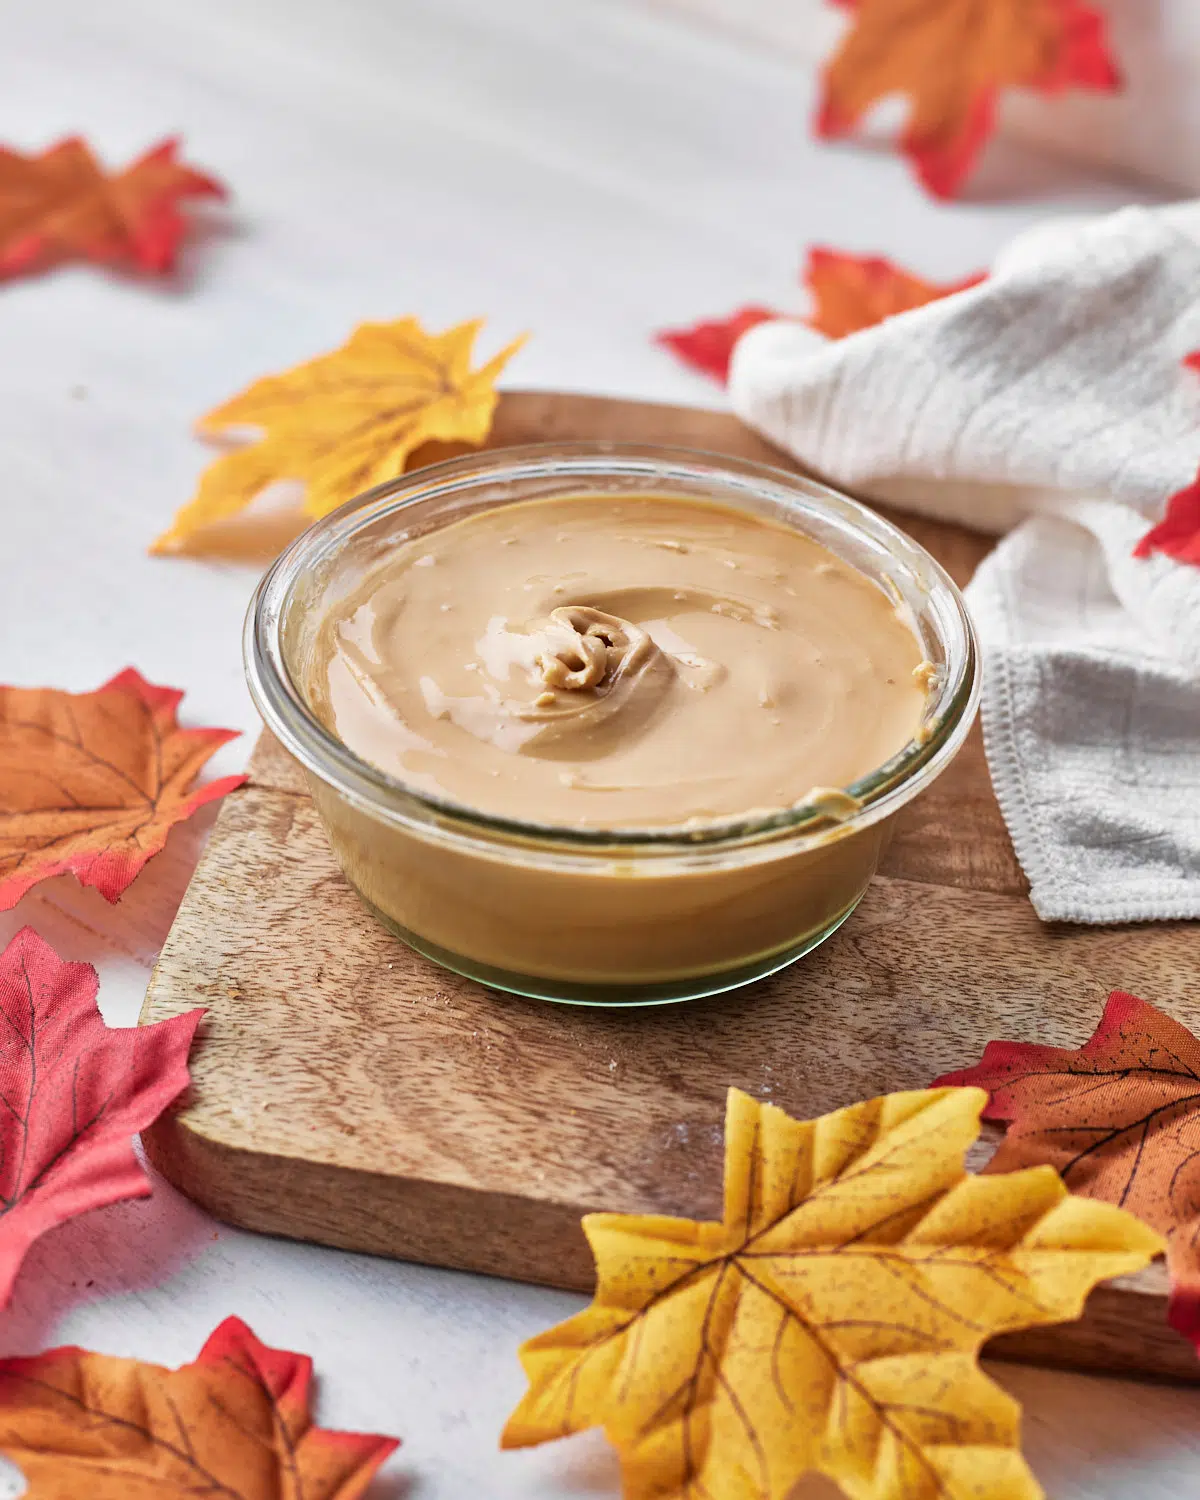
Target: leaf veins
833, 1320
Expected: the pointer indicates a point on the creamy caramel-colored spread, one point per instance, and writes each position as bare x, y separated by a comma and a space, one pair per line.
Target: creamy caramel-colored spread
600, 662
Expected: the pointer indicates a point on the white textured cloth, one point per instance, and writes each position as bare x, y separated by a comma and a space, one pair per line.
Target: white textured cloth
1049, 402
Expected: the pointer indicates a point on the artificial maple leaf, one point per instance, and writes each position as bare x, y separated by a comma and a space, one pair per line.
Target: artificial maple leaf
94, 782
952, 58
345, 421
1118, 1118
1178, 533
234, 1424
72, 1093
62, 205
852, 292
848, 293
707, 346
832, 1321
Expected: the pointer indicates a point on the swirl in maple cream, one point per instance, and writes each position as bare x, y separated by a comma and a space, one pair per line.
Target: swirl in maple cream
612, 663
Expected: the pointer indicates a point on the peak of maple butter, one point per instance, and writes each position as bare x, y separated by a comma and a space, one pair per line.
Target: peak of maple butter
595, 662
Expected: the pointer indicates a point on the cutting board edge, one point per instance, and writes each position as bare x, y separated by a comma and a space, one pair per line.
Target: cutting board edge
1110, 1337
240, 1186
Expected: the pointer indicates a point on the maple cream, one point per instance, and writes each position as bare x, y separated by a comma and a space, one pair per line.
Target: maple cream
598, 663
610, 724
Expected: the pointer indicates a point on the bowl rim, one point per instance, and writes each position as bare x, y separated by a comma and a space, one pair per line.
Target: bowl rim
876, 795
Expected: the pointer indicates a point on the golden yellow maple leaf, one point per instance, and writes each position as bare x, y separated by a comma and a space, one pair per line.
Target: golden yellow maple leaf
833, 1320
345, 421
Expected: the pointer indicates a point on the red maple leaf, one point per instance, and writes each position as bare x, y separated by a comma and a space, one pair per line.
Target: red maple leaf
235, 1423
708, 345
1118, 1119
1178, 533
953, 59
72, 1093
62, 205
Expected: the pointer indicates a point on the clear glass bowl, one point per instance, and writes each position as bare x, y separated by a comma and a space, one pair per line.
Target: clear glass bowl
639, 916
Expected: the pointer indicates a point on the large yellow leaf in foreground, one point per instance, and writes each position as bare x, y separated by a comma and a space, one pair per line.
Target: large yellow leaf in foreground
833, 1320
345, 421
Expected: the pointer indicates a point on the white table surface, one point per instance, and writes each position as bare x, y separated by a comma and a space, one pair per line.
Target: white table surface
587, 171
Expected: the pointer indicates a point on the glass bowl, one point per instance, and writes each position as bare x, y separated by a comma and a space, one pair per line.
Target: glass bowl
635, 916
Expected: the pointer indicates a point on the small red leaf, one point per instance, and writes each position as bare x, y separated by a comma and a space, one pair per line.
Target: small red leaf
92, 783
62, 205
708, 346
1192, 361
72, 1093
1118, 1119
1178, 533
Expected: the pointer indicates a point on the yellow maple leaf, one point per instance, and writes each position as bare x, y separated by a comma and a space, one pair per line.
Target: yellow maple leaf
345, 421
833, 1320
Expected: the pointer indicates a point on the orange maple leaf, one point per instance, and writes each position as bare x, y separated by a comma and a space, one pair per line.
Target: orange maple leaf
63, 205
94, 782
848, 293
235, 1423
952, 58
852, 292
1119, 1120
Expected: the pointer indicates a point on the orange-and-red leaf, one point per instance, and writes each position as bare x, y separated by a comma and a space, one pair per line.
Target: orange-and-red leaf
62, 205
952, 59
94, 782
852, 292
234, 1423
1118, 1119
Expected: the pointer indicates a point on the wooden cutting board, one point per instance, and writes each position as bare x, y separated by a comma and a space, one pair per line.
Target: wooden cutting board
349, 1092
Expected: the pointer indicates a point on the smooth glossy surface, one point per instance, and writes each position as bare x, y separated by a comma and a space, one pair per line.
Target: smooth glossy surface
624, 662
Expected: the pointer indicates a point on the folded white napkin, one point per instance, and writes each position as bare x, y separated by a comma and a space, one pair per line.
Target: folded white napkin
1051, 399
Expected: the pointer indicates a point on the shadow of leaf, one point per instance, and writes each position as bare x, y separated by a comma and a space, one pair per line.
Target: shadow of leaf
82, 926
111, 1252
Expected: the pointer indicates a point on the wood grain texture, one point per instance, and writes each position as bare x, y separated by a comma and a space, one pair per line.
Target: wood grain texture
349, 1092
